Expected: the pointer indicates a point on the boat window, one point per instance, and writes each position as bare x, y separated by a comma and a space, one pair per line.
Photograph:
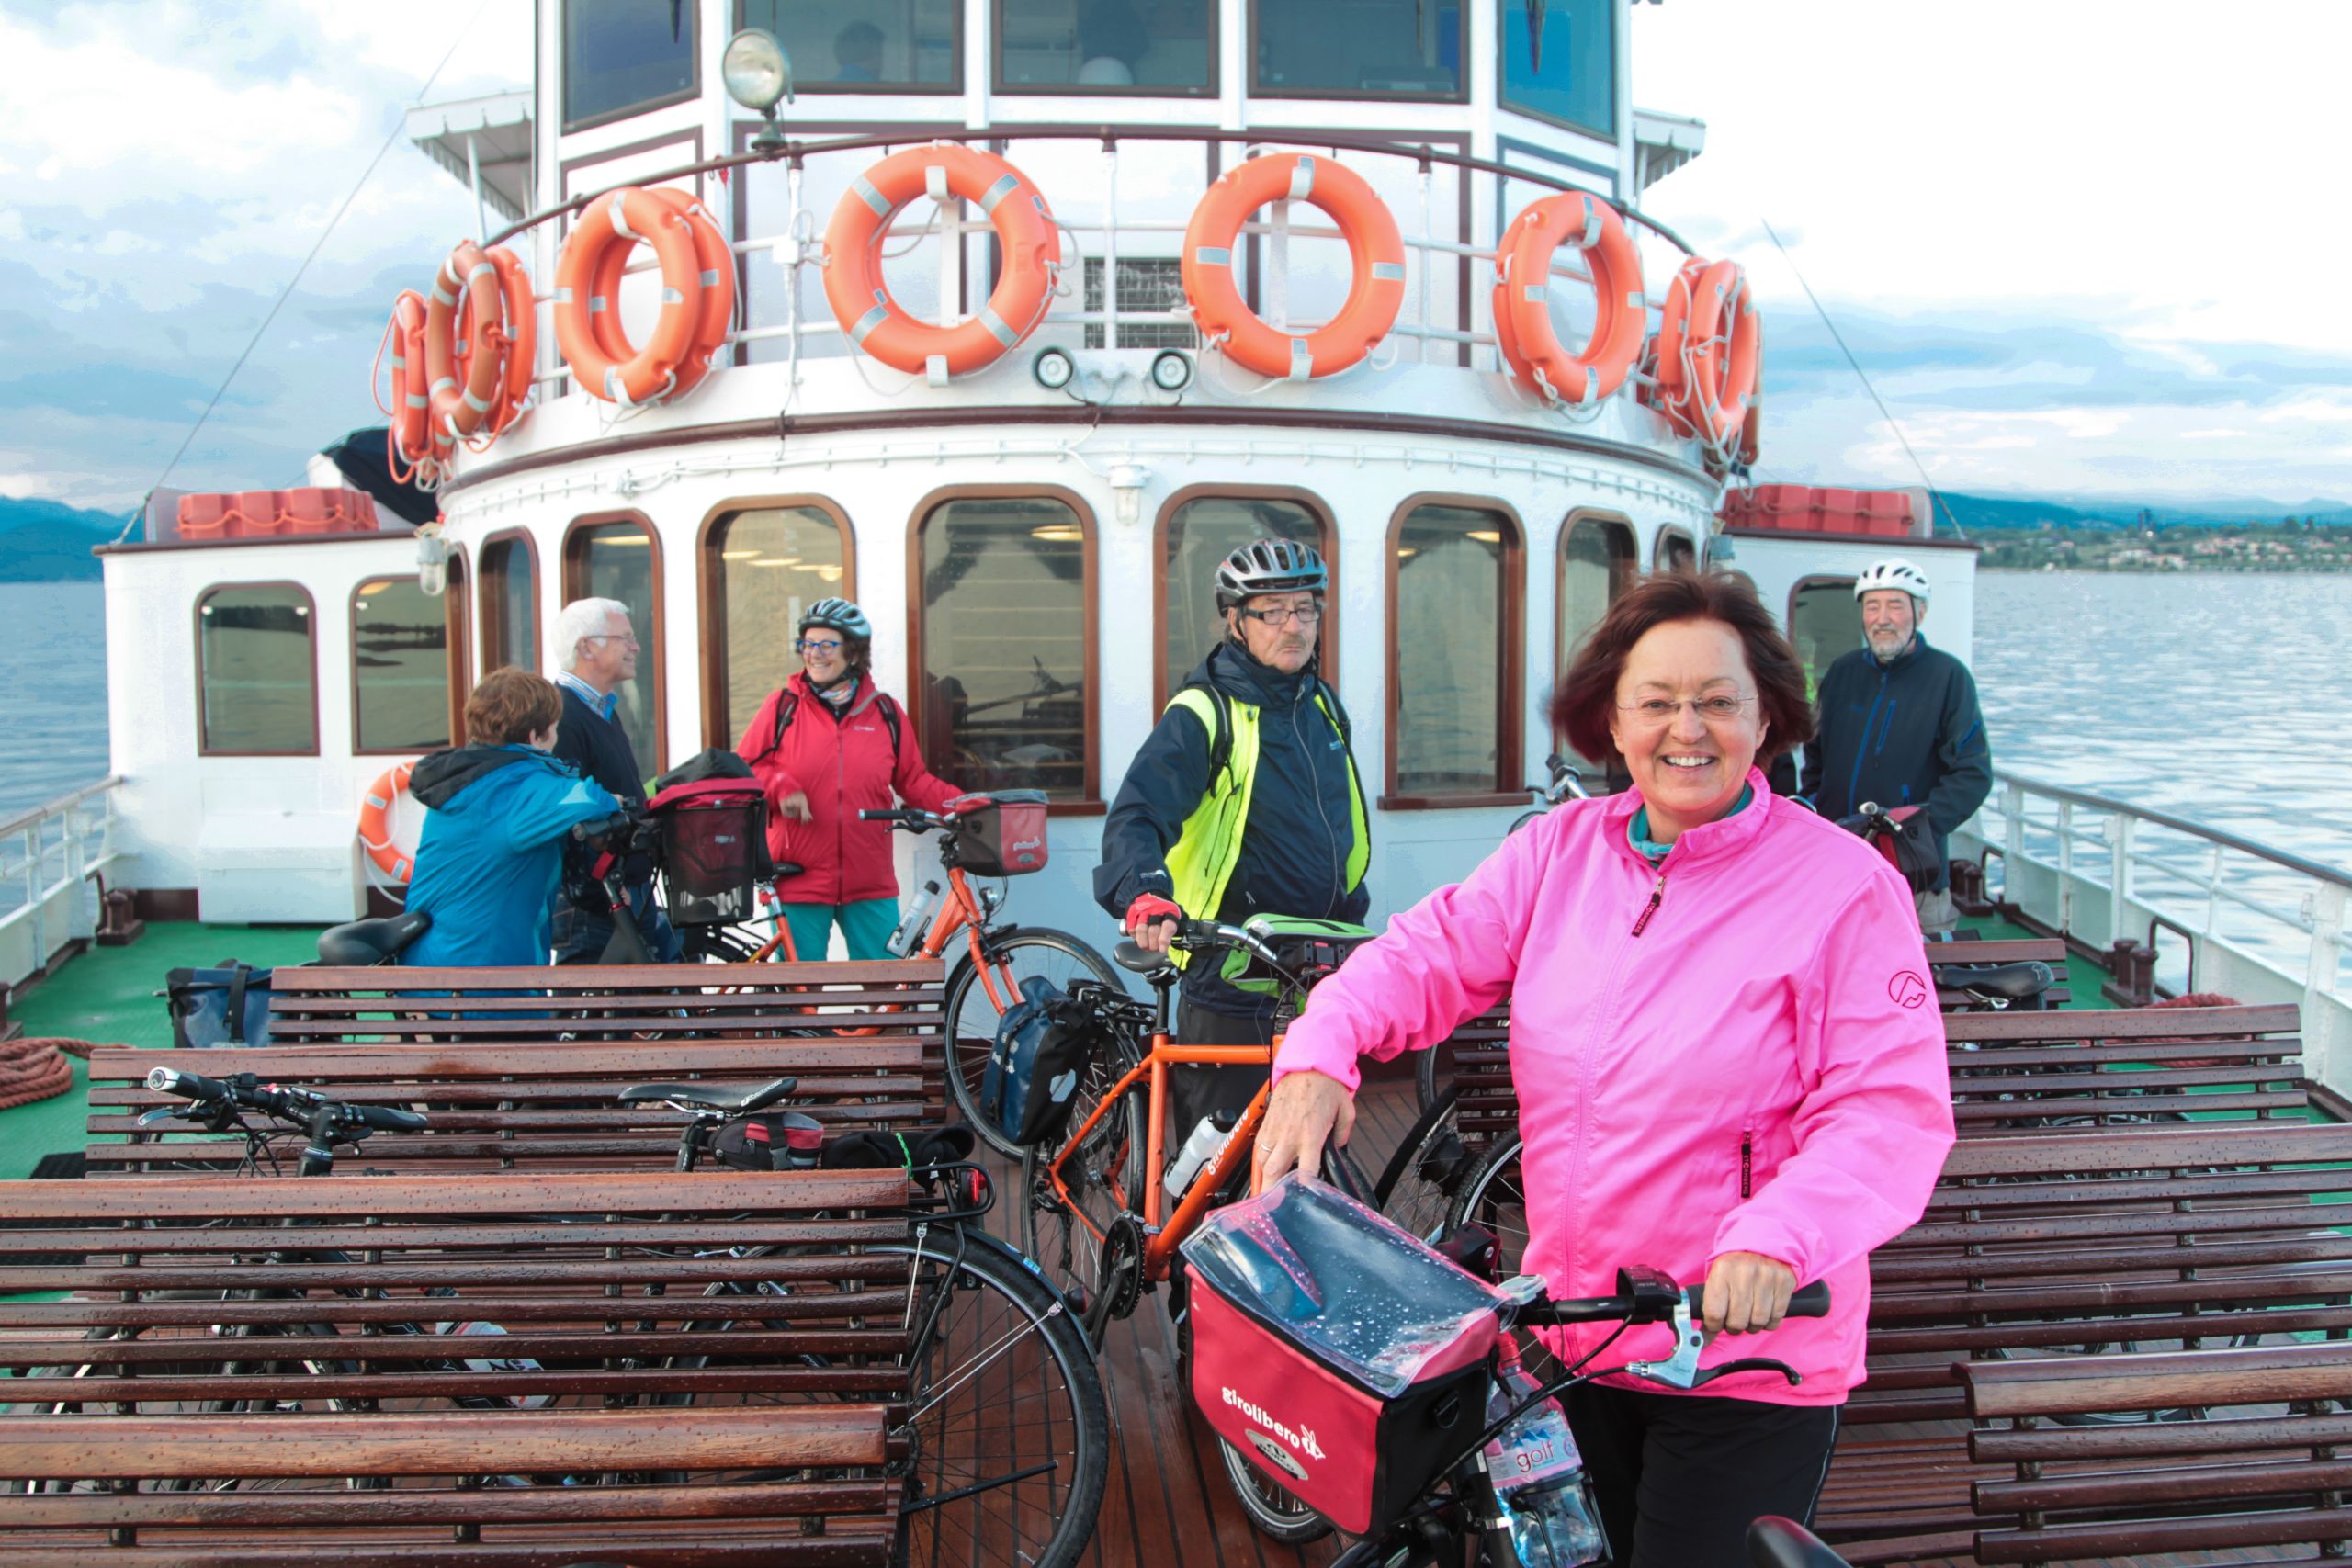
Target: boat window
915, 46
400, 668
457, 609
1599, 561
625, 56
257, 669
1357, 48
1454, 636
1146, 283
1003, 637
1106, 46
621, 560
1199, 532
510, 604
1560, 62
1823, 624
1675, 551
768, 564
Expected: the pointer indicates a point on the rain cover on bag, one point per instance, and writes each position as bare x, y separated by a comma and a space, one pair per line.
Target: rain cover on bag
1344, 1357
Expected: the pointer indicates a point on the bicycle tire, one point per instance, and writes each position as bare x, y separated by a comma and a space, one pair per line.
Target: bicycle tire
1108, 1179
972, 1016
1030, 1394
1492, 1195
1417, 1186
1425, 1084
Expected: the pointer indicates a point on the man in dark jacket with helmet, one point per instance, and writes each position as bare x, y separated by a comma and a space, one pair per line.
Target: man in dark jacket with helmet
1243, 801
1897, 723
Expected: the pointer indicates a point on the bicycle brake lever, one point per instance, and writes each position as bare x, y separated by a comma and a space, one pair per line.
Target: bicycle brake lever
1681, 1368
1749, 1364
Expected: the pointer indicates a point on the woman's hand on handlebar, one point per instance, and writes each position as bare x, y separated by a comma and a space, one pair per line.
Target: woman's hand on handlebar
1305, 1111
1746, 1292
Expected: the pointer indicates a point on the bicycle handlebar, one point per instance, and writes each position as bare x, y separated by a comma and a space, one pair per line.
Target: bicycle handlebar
300, 1107
619, 822
1639, 1305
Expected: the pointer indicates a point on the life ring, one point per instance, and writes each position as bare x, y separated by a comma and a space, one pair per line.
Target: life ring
715, 306
603, 362
1522, 310
375, 822
457, 411
1375, 296
522, 333
408, 440
1710, 351
1029, 243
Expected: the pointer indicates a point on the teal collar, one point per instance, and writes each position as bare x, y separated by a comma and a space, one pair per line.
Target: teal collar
1637, 831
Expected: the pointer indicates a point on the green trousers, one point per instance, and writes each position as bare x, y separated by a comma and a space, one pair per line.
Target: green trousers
865, 926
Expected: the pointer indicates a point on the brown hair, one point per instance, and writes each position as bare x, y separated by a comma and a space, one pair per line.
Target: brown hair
1587, 698
510, 706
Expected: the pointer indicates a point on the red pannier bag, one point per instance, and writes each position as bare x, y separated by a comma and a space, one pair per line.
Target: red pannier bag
713, 849
1342, 1357
1002, 834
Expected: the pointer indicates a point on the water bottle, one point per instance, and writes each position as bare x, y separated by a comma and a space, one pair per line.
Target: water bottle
909, 937
1539, 1477
1208, 1136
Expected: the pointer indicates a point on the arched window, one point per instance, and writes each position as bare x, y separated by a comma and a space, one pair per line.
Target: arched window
400, 668
457, 616
619, 557
1674, 552
256, 672
1824, 623
510, 602
1003, 640
1455, 575
764, 562
1598, 561
1199, 528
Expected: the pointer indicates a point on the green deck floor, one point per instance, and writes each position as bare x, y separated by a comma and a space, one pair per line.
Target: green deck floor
106, 997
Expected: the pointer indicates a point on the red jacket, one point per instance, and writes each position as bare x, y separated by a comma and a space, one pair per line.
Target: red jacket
843, 765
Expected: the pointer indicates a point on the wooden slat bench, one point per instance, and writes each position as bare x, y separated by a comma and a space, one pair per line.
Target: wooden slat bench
2021, 1070
218, 1375
2261, 1464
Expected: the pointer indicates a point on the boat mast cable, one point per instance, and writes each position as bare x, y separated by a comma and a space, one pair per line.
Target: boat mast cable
292, 283
1934, 495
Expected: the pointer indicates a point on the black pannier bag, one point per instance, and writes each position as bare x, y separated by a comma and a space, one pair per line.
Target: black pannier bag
1044, 1045
771, 1140
1000, 834
227, 1005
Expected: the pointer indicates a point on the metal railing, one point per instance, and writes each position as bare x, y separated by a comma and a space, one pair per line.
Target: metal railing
50, 858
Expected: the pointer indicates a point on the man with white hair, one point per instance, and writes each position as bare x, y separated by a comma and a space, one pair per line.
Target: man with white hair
1896, 722
597, 652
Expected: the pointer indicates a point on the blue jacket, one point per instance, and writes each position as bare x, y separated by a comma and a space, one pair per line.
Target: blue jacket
1294, 845
1908, 733
492, 852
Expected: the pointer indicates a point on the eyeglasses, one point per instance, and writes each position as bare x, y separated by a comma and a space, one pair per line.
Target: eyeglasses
821, 649
628, 637
1307, 617
1658, 711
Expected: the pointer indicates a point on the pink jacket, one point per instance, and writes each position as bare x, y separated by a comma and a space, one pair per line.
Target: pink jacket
1759, 1068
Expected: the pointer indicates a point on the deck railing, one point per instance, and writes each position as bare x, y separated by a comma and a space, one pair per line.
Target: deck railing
2223, 911
50, 858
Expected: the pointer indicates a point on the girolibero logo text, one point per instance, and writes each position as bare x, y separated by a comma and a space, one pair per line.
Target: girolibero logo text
1302, 1439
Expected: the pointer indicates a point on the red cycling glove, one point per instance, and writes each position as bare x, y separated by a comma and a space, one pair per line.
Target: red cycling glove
1148, 907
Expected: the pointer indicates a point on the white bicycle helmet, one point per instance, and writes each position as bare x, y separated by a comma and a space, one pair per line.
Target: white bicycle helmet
1270, 566
1899, 574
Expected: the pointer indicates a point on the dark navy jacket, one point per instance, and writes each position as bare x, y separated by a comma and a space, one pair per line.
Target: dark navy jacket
1294, 845
598, 749
1908, 733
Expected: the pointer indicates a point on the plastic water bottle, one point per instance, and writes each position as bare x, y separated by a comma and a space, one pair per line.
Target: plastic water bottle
1539, 1477
1208, 1136
909, 937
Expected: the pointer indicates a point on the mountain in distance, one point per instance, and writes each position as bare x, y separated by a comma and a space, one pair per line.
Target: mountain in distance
1979, 512
47, 541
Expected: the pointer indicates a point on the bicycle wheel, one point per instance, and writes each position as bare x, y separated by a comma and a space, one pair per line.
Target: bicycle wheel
1017, 954
1004, 1428
1417, 1186
1273, 1512
1103, 1175
1426, 1089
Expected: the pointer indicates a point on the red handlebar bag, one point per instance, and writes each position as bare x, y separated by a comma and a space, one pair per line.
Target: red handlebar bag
1342, 1357
713, 847
1001, 834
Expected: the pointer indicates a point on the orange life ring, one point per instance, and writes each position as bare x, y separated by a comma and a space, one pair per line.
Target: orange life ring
1710, 351
1522, 312
375, 822
471, 276
714, 308
1029, 241
1375, 296
522, 335
410, 438
604, 363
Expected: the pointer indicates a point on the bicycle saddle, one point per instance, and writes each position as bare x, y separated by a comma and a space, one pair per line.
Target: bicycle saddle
2013, 982
1776, 1542
371, 941
709, 1096
1128, 956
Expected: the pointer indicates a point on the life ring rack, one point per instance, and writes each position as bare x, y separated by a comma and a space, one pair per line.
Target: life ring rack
375, 822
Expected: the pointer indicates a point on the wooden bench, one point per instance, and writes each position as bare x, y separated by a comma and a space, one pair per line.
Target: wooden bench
209, 1394
2251, 1454
2024, 1070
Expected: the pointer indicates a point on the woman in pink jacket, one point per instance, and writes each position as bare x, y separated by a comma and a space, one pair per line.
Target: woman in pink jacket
1725, 1045
828, 745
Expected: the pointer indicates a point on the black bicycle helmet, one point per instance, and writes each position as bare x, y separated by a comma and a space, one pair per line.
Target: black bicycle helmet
842, 615
1270, 566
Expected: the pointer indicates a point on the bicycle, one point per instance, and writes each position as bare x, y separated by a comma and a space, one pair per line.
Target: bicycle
1005, 1433
1099, 1219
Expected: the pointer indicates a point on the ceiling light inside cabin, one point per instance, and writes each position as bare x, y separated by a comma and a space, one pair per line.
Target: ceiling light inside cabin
739, 555
1488, 536
1059, 533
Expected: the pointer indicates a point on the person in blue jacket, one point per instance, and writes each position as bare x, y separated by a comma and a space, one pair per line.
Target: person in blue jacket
1897, 723
493, 851
1244, 800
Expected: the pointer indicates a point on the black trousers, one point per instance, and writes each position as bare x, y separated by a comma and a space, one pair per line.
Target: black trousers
1680, 1477
1194, 1092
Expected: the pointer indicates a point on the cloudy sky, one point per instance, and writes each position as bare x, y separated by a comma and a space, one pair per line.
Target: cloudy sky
2082, 249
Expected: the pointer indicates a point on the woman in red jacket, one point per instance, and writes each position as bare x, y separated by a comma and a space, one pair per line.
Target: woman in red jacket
826, 745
